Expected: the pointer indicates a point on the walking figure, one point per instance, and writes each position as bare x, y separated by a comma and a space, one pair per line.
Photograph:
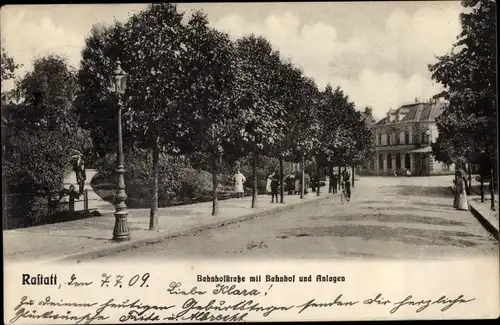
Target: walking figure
239, 179
333, 183
347, 183
79, 169
274, 188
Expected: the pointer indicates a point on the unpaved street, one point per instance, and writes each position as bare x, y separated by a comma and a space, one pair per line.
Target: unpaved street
388, 218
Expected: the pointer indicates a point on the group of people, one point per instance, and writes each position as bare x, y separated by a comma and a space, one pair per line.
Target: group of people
342, 181
294, 186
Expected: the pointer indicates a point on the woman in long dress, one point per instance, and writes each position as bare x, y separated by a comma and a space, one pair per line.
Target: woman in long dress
239, 179
461, 202
268, 183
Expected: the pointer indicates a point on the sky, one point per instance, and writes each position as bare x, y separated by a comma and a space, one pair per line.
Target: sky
377, 52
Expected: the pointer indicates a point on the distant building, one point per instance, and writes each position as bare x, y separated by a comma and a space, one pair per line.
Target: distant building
367, 117
403, 141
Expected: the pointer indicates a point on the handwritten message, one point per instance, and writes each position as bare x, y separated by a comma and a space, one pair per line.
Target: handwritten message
213, 298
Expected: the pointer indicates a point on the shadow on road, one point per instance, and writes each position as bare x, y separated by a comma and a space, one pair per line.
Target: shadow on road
413, 236
430, 191
393, 218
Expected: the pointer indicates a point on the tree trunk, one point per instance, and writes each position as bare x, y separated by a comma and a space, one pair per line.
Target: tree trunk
302, 178
481, 174
353, 172
282, 184
330, 174
339, 183
318, 181
153, 216
215, 203
492, 190
254, 177
470, 176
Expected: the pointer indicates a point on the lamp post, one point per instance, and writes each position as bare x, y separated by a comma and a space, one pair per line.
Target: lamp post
118, 82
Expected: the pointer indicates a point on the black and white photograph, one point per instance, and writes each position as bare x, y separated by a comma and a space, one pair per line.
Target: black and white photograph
336, 132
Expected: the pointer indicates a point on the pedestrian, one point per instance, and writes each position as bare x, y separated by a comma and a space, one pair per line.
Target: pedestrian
408, 173
313, 183
307, 182
72, 196
460, 202
239, 179
298, 179
79, 169
347, 183
333, 183
274, 188
268, 183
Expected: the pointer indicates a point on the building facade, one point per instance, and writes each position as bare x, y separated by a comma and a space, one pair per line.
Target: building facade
403, 141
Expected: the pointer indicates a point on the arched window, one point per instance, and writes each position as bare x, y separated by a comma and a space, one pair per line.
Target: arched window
380, 139
389, 161
380, 162
407, 137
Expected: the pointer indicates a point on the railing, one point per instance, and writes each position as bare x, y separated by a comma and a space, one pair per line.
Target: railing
28, 209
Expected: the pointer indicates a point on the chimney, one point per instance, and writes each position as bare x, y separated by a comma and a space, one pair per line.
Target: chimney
416, 99
368, 110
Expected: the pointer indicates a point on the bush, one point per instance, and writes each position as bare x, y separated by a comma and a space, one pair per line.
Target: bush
195, 184
35, 164
177, 180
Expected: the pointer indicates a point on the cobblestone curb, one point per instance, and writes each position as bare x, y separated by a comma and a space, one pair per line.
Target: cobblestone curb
490, 227
158, 237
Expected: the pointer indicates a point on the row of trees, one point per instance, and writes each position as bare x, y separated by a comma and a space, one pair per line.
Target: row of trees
193, 90
468, 125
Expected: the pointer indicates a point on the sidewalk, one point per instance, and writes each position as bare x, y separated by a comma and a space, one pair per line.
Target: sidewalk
488, 218
92, 236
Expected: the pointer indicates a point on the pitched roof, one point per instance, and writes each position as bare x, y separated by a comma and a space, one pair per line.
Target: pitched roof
417, 112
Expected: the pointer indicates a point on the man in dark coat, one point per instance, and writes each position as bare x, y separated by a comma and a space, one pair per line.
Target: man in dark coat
274, 188
333, 183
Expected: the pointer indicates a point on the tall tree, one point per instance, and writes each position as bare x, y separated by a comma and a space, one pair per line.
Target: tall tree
260, 120
9, 66
287, 88
208, 90
154, 56
42, 132
305, 137
96, 106
468, 73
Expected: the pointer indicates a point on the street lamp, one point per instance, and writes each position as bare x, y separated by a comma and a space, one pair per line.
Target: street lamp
118, 82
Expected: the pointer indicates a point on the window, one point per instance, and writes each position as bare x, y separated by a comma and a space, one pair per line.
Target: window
380, 162
398, 161
389, 161
407, 137
398, 138
388, 139
423, 137
380, 139
407, 161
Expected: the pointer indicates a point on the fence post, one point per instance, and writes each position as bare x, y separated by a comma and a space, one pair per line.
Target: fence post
5, 216
86, 201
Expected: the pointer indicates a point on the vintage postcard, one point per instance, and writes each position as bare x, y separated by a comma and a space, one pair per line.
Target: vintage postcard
237, 162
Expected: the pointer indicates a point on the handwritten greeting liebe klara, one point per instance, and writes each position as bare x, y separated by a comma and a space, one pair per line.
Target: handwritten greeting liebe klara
207, 304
